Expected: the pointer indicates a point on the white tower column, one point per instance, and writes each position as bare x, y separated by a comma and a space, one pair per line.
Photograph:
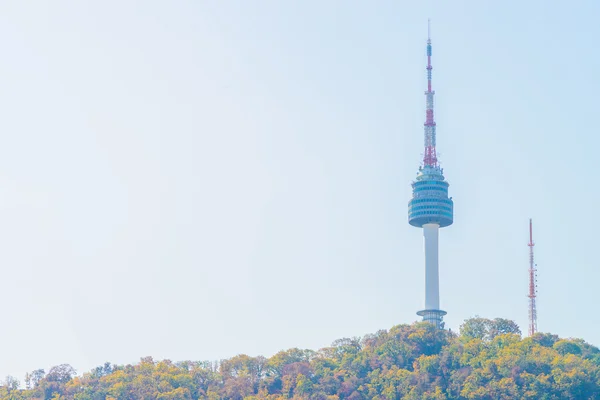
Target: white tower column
432, 312
432, 279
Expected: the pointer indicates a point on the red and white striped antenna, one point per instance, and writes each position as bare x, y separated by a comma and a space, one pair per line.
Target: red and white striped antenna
532, 284
430, 156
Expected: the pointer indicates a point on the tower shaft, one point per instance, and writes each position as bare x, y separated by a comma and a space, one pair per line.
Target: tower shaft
432, 312
432, 281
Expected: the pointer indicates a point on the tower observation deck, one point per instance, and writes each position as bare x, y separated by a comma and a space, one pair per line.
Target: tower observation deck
430, 207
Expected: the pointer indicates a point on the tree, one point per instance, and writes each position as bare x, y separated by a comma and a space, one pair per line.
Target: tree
545, 339
567, 347
36, 376
304, 386
501, 326
487, 329
475, 328
61, 373
11, 383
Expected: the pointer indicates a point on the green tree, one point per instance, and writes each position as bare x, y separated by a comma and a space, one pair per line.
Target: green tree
488, 329
567, 347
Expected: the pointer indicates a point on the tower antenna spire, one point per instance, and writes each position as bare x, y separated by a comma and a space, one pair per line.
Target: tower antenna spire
532, 284
430, 156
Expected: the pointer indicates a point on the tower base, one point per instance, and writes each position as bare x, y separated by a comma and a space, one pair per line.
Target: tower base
433, 317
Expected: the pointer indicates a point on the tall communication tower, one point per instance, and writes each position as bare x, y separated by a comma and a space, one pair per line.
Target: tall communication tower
430, 207
532, 284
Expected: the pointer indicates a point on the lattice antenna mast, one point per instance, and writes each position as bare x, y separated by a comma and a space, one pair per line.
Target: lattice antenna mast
532, 284
430, 156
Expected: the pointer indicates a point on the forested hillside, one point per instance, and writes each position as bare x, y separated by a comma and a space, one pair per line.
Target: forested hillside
487, 360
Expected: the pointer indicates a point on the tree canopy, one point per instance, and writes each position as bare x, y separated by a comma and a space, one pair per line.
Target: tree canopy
488, 360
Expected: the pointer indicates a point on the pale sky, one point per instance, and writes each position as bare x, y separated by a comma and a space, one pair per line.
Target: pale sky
199, 179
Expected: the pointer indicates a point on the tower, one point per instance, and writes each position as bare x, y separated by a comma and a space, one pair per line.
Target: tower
430, 207
532, 284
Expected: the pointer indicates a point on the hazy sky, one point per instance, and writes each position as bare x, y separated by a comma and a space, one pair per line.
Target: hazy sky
197, 179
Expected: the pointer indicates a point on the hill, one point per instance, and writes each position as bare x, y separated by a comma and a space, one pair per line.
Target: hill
488, 360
